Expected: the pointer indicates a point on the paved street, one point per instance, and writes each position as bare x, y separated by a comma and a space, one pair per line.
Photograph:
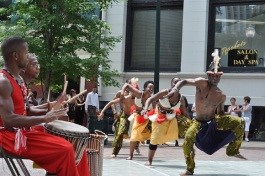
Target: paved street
169, 161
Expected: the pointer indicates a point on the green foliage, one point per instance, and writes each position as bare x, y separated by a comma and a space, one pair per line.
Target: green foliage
57, 30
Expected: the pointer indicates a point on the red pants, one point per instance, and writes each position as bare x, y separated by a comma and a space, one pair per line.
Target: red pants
53, 153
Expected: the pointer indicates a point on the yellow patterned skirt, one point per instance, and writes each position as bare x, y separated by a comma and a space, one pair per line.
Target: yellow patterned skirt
140, 131
165, 131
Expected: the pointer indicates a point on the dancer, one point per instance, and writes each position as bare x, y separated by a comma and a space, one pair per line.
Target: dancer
122, 127
163, 117
224, 128
141, 128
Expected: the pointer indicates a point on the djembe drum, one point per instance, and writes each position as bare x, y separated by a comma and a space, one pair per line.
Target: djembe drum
92, 156
75, 134
96, 142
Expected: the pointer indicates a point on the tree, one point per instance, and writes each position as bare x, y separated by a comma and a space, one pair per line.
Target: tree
57, 30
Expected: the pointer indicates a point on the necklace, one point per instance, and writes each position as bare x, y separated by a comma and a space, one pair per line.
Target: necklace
20, 82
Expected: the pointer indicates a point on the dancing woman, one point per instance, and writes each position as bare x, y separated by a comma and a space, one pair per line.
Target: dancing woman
163, 117
141, 128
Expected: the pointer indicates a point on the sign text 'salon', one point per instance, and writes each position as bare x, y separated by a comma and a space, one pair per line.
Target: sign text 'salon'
243, 57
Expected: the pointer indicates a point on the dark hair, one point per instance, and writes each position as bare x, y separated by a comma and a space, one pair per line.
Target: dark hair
148, 82
35, 94
232, 98
173, 79
247, 98
10, 45
72, 91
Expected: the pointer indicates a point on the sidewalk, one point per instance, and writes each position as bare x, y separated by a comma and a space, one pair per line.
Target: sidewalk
169, 161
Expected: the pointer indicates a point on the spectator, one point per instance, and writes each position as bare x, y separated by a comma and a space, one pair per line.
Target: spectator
91, 106
71, 106
80, 110
247, 110
233, 109
193, 109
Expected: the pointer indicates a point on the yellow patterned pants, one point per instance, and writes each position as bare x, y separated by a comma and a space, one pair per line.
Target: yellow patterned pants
183, 124
121, 127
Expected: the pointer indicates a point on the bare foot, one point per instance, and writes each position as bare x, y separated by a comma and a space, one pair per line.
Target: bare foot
129, 158
148, 163
185, 173
240, 156
113, 156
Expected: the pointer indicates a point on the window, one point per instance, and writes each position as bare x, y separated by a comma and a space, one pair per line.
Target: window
239, 34
141, 35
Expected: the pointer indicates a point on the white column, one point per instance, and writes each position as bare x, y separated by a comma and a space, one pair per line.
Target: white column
194, 36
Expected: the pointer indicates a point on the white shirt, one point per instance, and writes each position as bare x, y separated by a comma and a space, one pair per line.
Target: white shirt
92, 99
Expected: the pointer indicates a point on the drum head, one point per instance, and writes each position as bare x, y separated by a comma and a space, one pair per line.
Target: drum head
68, 127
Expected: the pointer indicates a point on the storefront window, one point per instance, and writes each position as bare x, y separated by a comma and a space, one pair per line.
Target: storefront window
240, 35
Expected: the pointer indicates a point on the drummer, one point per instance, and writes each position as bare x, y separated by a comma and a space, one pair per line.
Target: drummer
13, 121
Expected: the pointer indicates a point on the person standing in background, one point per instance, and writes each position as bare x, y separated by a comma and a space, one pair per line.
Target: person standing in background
193, 110
71, 106
91, 106
233, 109
247, 110
80, 110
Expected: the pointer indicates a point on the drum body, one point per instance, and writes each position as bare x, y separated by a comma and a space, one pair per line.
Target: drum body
92, 156
96, 142
75, 134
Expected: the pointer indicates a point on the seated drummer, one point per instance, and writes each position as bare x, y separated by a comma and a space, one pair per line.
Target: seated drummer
13, 119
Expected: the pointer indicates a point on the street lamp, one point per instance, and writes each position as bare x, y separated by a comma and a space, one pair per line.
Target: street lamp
250, 32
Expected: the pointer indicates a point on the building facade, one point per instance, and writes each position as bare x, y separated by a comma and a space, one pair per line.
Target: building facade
190, 31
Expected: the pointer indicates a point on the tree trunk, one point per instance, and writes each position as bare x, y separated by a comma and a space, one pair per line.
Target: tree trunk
47, 85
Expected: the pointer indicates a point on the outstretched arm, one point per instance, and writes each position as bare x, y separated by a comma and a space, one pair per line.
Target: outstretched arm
10, 119
153, 99
137, 93
100, 116
186, 82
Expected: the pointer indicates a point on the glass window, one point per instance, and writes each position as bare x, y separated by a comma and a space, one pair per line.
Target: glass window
141, 38
240, 36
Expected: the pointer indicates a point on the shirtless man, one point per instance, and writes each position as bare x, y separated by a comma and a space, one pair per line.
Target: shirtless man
123, 125
208, 99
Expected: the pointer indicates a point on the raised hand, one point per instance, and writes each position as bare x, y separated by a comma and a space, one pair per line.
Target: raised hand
54, 114
59, 102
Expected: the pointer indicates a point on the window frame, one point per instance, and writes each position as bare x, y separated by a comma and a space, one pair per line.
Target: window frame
211, 34
131, 6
